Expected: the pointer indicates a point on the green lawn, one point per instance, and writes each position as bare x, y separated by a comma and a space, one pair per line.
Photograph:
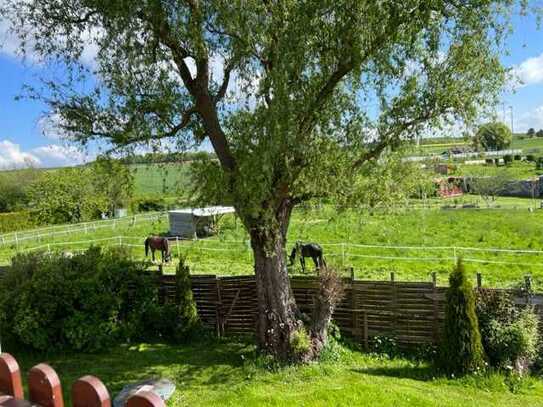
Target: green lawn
430, 240
220, 373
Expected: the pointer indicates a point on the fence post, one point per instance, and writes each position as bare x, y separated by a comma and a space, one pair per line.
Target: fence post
44, 386
435, 324
479, 281
528, 288
89, 391
10, 377
177, 245
218, 307
354, 306
145, 399
393, 303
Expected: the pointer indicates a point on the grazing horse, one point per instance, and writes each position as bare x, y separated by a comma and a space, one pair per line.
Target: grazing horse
312, 250
158, 243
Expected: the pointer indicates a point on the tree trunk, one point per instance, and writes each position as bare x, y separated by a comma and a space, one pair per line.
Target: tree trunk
276, 318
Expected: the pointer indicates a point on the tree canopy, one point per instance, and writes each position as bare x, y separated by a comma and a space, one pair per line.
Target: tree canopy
294, 97
493, 136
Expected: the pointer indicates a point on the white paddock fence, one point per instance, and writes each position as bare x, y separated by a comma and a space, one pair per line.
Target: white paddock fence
344, 254
16, 238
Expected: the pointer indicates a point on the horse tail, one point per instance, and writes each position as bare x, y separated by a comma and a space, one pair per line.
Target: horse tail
146, 247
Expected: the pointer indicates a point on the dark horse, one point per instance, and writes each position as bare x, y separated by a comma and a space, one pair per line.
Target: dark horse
158, 243
312, 250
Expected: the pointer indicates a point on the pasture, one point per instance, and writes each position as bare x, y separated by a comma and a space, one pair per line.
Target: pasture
170, 179
411, 243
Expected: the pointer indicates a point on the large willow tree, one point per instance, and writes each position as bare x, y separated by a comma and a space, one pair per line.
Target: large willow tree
296, 97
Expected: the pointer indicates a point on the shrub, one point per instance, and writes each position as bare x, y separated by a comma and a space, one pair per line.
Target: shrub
489, 161
148, 204
85, 302
13, 221
507, 159
530, 157
300, 342
539, 163
517, 157
462, 350
510, 336
176, 322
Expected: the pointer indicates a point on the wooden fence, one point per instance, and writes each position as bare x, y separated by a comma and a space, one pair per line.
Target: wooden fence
44, 389
410, 312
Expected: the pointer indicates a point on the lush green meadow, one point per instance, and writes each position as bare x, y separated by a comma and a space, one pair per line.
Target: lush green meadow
412, 243
162, 179
217, 373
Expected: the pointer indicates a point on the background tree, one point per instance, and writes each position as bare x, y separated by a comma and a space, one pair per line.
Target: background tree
539, 133
66, 196
493, 136
489, 186
289, 94
114, 181
531, 132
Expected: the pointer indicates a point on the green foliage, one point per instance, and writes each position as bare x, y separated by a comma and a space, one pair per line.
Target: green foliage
148, 204
507, 159
85, 302
493, 136
300, 342
81, 193
461, 351
14, 221
530, 132
385, 345
113, 181
510, 336
530, 157
14, 187
66, 196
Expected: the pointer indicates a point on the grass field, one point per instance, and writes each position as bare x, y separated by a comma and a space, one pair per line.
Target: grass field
164, 179
429, 239
516, 170
218, 373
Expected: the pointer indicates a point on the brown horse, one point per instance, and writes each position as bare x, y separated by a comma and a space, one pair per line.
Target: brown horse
158, 243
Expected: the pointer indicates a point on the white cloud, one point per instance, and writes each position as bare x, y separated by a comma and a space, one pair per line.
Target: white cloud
529, 72
11, 156
52, 155
530, 119
11, 46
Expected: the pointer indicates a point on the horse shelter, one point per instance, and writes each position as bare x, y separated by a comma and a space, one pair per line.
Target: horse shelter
196, 222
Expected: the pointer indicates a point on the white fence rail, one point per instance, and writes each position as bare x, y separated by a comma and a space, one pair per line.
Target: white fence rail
52, 231
344, 252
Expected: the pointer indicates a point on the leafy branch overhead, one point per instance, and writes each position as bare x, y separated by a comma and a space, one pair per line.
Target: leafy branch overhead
272, 85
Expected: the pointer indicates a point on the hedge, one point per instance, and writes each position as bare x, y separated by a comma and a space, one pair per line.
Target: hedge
13, 221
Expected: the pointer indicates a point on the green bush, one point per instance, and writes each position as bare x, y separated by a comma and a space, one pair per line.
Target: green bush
84, 302
517, 157
530, 157
462, 351
176, 322
510, 336
489, 161
148, 204
13, 221
507, 159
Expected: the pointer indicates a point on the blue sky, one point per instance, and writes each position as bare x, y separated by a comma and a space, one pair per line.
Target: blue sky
21, 130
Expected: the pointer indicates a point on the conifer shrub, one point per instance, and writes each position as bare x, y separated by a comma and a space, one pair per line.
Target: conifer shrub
462, 351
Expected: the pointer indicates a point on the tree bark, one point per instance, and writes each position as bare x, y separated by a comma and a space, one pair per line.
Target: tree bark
277, 310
